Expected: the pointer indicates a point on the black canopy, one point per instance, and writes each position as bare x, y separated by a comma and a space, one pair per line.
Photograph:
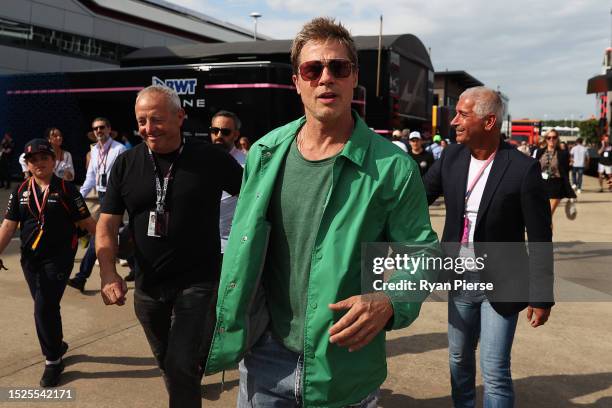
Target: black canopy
600, 83
406, 45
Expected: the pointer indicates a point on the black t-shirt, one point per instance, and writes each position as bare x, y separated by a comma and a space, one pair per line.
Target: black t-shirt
424, 160
64, 207
190, 253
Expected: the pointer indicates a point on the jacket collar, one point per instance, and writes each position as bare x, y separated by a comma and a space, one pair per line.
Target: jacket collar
498, 168
355, 149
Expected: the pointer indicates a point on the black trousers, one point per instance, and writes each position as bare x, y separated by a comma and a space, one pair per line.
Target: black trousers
47, 280
179, 325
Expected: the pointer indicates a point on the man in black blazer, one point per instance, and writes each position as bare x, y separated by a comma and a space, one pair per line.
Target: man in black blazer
493, 194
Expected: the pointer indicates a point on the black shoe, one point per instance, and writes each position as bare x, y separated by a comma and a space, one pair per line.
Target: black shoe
131, 277
51, 375
64, 348
77, 284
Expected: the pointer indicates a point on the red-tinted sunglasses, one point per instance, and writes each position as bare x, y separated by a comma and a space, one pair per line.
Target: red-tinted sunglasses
312, 70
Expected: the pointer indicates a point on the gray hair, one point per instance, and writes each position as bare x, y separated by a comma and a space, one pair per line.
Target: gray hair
228, 114
486, 102
170, 94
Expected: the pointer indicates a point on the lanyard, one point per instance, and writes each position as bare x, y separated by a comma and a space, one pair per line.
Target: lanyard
103, 156
468, 193
466, 222
40, 207
162, 190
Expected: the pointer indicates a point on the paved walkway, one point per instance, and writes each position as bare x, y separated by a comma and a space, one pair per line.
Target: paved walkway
567, 363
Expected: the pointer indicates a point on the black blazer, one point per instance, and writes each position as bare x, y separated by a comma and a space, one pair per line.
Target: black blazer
514, 201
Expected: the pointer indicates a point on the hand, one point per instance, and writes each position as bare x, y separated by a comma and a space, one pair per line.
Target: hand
537, 316
367, 315
113, 289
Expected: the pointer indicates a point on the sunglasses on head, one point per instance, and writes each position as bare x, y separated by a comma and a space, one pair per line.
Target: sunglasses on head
312, 70
102, 127
224, 131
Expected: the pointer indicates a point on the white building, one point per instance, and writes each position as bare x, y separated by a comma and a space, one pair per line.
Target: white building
70, 35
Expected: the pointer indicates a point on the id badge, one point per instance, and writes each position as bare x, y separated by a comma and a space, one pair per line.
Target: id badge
103, 180
158, 224
545, 175
152, 223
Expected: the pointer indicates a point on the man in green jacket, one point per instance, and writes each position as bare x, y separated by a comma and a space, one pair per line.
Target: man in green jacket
290, 299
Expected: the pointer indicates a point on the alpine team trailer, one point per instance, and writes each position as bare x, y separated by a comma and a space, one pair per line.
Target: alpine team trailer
260, 93
395, 93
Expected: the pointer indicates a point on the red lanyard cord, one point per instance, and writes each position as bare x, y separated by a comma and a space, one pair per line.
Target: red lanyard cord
39, 206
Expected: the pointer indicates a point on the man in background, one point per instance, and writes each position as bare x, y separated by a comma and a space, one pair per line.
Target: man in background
422, 157
224, 131
103, 156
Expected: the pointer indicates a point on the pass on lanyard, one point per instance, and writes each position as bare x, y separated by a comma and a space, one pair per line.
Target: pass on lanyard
40, 206
468, 193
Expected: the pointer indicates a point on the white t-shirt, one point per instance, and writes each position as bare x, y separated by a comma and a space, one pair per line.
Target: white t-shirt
401, 145
473, 203
63, 165
579, 154
228, 204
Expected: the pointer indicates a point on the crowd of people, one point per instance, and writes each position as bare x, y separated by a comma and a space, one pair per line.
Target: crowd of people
579, 156
253, 257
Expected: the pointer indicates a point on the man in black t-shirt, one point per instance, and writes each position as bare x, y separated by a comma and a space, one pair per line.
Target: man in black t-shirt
171, 190
421, 156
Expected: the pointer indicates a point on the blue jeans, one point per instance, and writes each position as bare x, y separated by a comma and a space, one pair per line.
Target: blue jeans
577, 176
271, 376
471, 318
89, 259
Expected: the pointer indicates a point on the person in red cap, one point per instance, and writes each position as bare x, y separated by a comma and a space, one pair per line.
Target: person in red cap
48, 209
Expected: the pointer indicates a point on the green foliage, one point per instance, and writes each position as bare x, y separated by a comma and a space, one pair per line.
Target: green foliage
589, 130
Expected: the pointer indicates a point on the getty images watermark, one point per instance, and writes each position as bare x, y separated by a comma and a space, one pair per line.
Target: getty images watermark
501, 271
428, 265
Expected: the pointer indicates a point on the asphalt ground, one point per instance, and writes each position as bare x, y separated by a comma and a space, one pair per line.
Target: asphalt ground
566, 363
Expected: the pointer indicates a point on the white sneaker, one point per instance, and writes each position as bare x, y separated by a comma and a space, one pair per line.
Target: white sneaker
574, 186
97, 263
123, 262
579, 191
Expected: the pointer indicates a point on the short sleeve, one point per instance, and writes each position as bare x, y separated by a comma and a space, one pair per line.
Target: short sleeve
232, 171
76, 203
12, 209
113, 201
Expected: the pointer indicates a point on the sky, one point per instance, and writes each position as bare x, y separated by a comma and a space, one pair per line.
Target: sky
539, 53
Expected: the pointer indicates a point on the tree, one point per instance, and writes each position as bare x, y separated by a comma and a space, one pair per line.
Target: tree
589, 130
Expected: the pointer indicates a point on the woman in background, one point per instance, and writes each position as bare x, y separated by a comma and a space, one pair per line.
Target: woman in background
555, 170
244, 145
64, 168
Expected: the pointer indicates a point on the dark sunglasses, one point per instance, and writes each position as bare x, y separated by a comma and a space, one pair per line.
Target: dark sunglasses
99, 127
551, 137
312, 70
224, 131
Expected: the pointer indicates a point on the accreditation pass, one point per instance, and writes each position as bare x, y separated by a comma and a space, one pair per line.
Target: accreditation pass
25, 394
